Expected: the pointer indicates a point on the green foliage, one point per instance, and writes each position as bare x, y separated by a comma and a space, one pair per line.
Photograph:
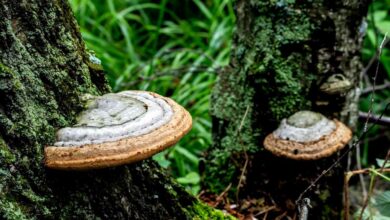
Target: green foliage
10, 210
378, 209
191, 179
378, 21
378, 25
383, 203
381, 163
170, 47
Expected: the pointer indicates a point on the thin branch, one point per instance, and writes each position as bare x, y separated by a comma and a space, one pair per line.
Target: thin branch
384, 120
242, 175
220, 196
368, 170
370, 89
373, 58
359, 166
374, 84
265, 211
245, 154
347, 176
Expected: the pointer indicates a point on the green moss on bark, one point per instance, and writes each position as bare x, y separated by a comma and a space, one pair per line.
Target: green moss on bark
44, 74
201, 211
266, 79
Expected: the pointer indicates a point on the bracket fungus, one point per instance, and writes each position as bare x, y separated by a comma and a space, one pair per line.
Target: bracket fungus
308, 135
336, 84
118, 129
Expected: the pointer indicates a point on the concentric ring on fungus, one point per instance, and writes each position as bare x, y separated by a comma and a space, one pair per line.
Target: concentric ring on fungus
316, 138
119, 129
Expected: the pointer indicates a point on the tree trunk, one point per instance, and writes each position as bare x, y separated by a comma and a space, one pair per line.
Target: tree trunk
44, 70
282, 52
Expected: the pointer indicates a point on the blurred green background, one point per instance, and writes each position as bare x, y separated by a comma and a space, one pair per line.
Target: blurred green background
377, 141
176, 48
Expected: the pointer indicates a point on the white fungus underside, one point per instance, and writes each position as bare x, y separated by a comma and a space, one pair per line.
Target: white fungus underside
313, 133
112, 117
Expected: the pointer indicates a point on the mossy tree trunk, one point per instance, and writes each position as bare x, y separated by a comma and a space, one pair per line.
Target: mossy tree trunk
44, 70
282, 52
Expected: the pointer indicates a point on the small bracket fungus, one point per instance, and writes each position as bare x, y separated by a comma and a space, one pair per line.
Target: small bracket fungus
119, 129
307, 135
336, 84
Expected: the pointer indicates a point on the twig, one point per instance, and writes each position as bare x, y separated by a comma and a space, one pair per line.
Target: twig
373, 185
375, 44
380, 174
265, 211
243, 119
368, 170
359, 166
265, 216
368, 90
281, 216
242, 175
372, 60
375, 118
374, 83
245, 154
366, 80
220, 196
347, 176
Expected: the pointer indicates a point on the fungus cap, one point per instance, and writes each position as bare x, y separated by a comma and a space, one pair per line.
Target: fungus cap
118, 129
308, 135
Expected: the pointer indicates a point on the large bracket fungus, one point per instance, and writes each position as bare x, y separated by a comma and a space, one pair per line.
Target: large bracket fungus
119, 129
308, 135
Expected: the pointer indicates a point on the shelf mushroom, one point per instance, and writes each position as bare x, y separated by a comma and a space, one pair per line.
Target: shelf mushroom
118, 129
308, 135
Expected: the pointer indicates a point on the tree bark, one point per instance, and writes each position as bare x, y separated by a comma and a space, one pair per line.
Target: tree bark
282, 52
44, 70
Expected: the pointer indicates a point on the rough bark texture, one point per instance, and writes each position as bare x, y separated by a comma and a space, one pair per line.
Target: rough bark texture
283, 51
44, 70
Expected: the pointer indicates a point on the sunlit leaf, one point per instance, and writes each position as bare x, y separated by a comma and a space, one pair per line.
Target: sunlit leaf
380, 163
382, 203
190, 178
